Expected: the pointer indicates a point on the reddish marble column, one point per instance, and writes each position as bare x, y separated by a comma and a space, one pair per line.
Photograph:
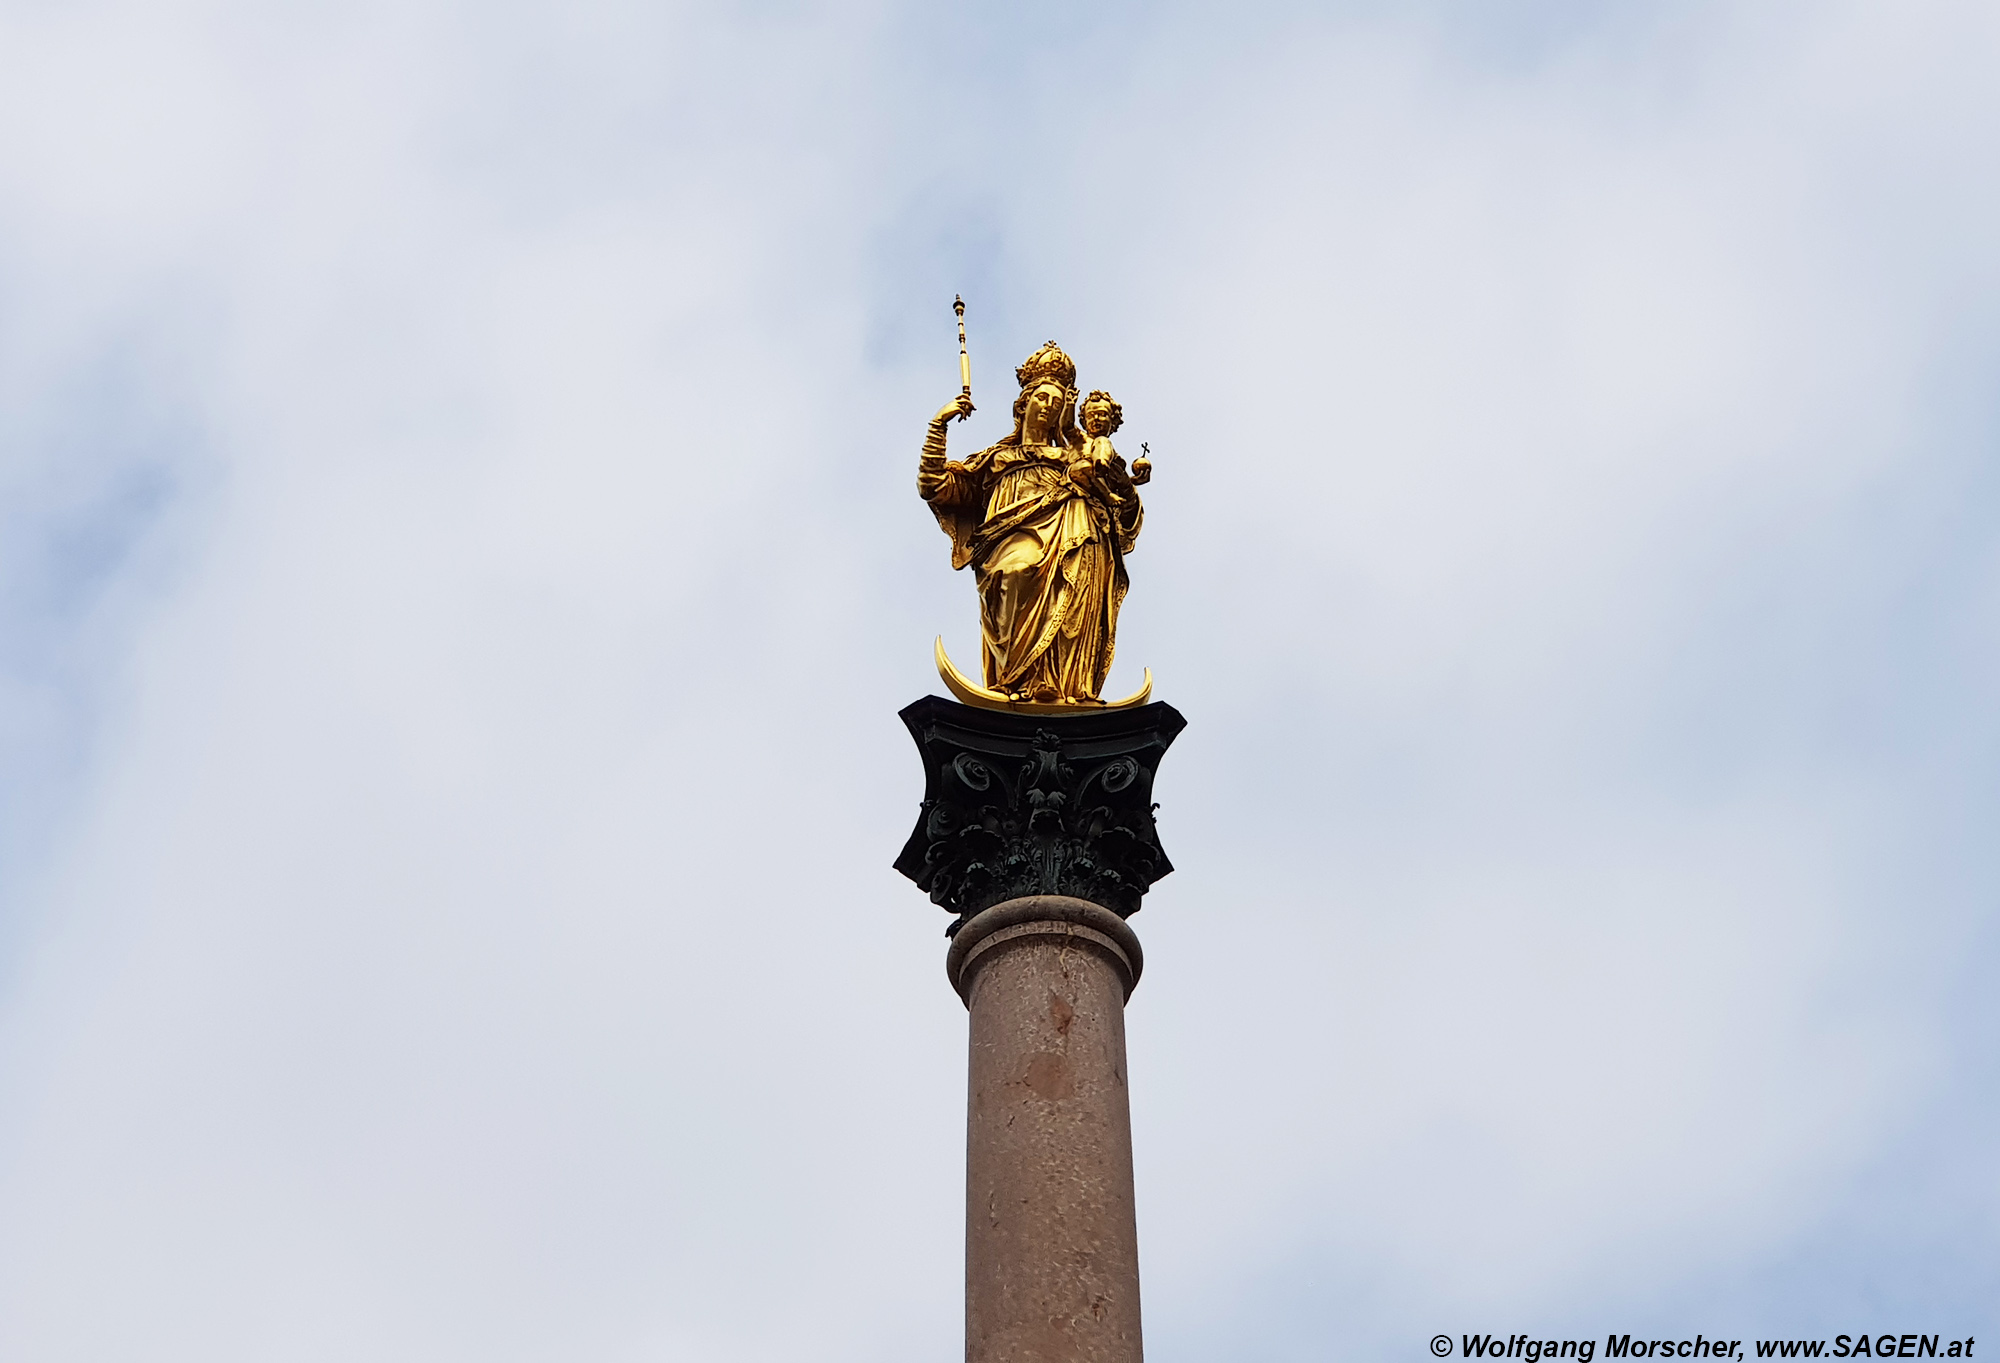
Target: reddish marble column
1051, 1243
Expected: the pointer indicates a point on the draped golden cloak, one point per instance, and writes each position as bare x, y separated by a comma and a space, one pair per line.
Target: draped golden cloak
1045, 530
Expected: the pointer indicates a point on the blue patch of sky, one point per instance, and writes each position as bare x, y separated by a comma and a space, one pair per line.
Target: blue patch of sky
968, 101
93, 464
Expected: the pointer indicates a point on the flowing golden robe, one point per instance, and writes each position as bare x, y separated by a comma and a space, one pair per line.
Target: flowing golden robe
1045, 530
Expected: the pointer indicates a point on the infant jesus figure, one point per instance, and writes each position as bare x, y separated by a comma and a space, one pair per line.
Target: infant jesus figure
1102, 415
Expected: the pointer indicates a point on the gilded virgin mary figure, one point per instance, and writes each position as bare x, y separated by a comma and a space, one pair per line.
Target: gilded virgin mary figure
1044, 519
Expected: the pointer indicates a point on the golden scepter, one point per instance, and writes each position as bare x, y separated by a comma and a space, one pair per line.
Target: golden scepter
964, 360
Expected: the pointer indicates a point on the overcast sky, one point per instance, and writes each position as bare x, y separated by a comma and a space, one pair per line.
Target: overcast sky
460, 565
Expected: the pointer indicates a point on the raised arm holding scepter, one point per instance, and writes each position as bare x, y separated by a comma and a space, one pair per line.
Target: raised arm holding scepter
930, 468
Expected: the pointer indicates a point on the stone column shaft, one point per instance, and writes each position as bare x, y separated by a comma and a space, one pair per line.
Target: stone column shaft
1051, 1242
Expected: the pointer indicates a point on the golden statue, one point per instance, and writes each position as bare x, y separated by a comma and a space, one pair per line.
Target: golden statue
1044, 519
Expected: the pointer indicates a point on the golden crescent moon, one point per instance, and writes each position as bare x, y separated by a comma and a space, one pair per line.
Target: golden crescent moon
971, 693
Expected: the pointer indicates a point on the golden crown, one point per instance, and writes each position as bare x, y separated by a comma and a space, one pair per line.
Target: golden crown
1047, 363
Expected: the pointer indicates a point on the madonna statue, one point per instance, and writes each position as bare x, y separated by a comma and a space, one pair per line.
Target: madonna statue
1044, 519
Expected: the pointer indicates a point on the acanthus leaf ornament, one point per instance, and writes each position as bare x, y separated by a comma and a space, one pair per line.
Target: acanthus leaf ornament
1018, 804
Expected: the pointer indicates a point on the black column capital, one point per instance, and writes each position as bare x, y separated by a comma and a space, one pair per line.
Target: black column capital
1020, 805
